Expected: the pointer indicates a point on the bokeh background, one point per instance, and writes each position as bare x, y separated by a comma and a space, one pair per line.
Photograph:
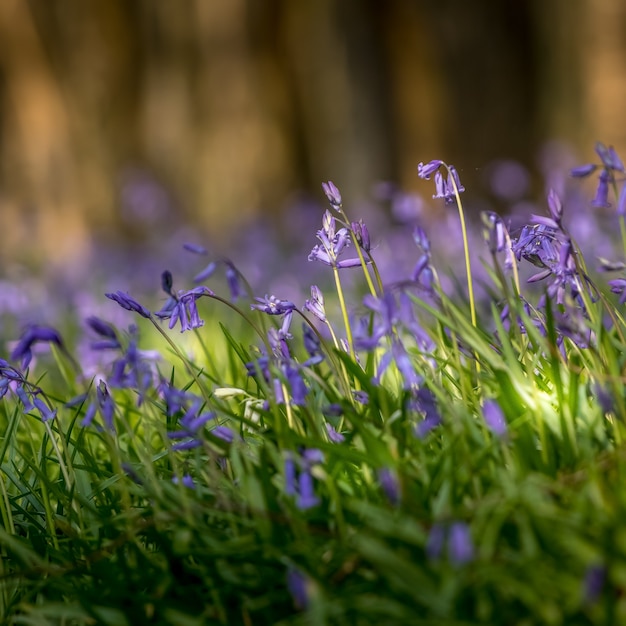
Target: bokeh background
121, 121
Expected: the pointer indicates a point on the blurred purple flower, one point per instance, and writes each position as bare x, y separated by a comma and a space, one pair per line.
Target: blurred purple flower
333, 435
128, 303
298, 588
31, 335
460, 546
388, 481
494, 418
593, 583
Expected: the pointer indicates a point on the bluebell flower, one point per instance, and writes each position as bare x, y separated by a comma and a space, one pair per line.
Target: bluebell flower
191, 423
601, 199
109, 339
333, 435
316, 303
31, 335
332, 193
446, 187
456, 537
593, 583
388, 481
128, 303
297, 584
494, 418
183, 308
273, 305
306, 492
423, 401
460, 546
103, 403
299, 480
233, 280
312, 345
186, 480
290, 477
297, 385
333, 244
361, 234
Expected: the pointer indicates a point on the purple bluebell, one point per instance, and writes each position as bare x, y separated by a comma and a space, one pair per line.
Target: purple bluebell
233, 280
291, 488
207, 272
423, 273
435, 541
316, 303
333, 243
183, 308
425, 403
362, 234
33, 334
297, 584
312, 345
297, 385
332, 193
460, 546
224, 433
426, 171
128, 303
195, 249
494, 231
494, 418
446, 187
593, 583
185, 480
621, 201
388, 481
601, 199
191, 423
333, 435
306, 491
273, 305
45, 411
582, 171
609, 157
103, 403
618, 285
109, 339
362, 397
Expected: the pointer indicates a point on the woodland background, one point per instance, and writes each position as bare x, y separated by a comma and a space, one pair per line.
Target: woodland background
124, 119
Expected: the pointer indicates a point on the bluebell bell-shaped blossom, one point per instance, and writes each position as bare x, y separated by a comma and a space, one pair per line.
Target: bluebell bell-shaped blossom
593, 583
191, 424
298, 586
306, 491
361, 234
601, 200
424, 402
273, 305
185, 480
618, 286
447, 182
333, 243
609, 158
494, 418
621, 201
405, 365
103, 403
183, 308
31, 335
333, 435
233, 280
582, 171
388, 481
409, 321
423, 273
316, 303
299, 480
426, 171
312, 345
460, 546
456, 538
297, 386
132, 370
107, 333
128, 303
332, 193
